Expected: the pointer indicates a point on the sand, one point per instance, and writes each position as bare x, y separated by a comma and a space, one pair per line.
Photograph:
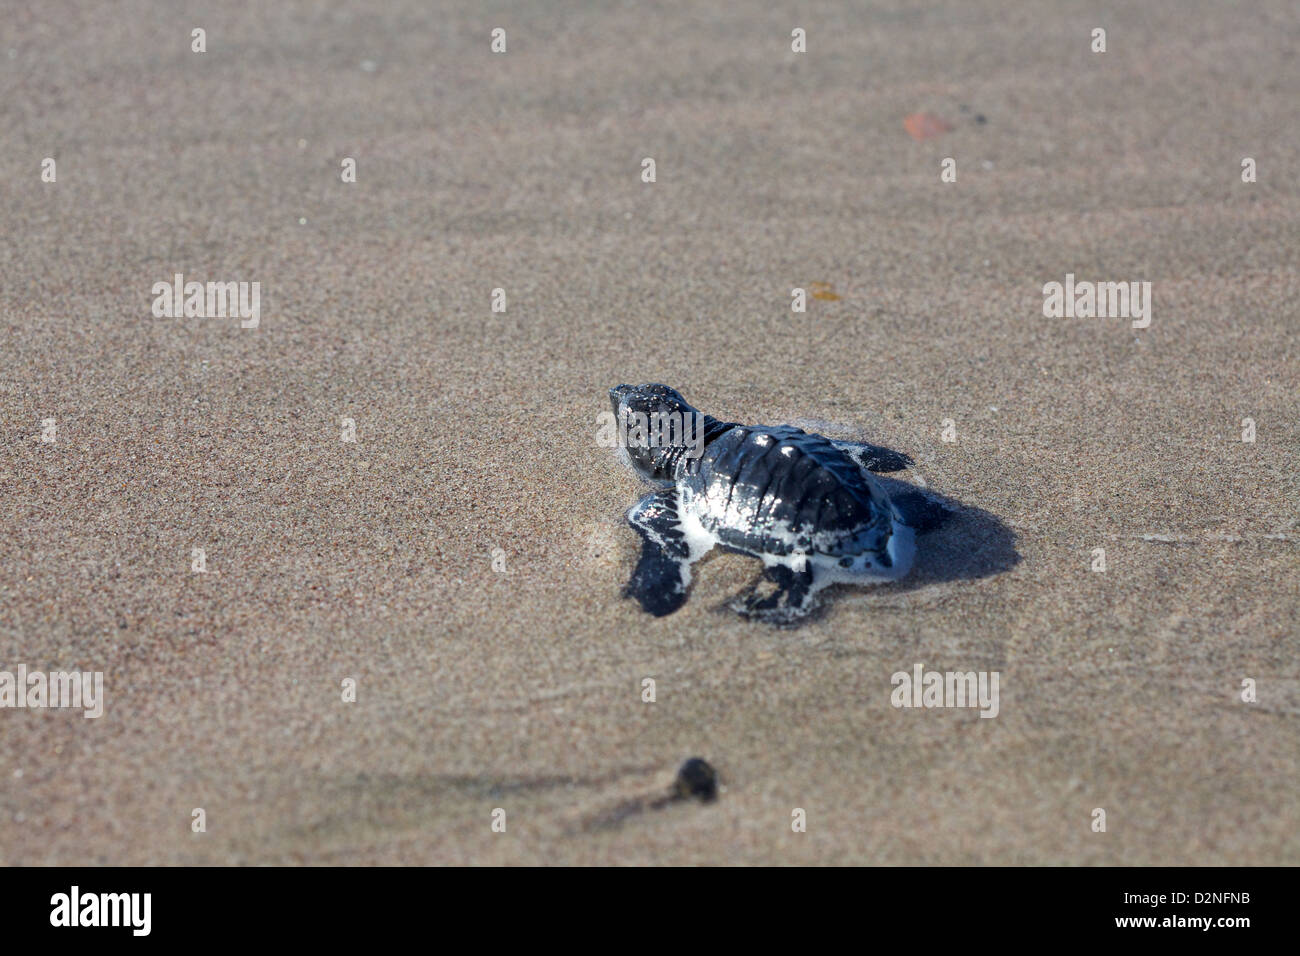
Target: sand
521, 689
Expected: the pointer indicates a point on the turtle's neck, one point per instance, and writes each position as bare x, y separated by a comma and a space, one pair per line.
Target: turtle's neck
680, 462
714, 428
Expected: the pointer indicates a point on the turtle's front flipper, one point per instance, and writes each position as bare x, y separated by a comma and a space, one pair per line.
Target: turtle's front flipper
874, 457
663, 573
659, 582
783, 596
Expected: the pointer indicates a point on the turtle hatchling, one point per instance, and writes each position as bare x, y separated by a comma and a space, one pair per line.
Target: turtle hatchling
808, 506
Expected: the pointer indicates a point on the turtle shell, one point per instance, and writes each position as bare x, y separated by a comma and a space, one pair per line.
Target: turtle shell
779, 490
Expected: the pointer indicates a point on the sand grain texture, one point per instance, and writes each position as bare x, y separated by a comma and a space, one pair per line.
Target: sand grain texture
522, 689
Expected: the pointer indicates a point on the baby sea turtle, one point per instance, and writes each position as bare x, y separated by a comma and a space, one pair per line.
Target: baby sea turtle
807, 506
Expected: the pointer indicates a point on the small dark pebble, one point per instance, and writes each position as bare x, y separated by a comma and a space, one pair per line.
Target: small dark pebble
698, 779
981, 118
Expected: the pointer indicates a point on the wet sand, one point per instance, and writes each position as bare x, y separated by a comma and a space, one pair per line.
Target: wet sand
521, 688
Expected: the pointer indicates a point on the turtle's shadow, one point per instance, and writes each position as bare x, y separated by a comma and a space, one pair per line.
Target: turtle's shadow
955, 542
965, 543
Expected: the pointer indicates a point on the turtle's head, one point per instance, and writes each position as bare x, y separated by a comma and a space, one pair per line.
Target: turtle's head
661, 428
648, 399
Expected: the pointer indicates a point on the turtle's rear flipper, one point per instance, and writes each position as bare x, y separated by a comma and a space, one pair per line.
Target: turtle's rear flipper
919, 511
782, 597
874, 457
663, 573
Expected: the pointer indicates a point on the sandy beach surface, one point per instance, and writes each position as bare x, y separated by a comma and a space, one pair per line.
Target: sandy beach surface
520, 686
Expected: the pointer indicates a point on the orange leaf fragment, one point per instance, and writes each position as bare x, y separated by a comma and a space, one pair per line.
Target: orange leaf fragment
925, 126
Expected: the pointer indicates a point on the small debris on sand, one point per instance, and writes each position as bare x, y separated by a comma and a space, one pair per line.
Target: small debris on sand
696, 778
923, 126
